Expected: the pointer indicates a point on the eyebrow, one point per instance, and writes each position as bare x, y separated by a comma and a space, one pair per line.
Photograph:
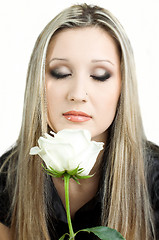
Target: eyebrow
102, 60
93, 61
58, 59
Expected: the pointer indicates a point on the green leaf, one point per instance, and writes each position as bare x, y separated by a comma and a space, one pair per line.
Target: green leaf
84, 177
53, 172
80, 170
76, 179
105, 233
73, 172
63, 236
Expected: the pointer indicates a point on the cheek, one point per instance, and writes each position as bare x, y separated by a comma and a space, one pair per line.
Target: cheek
53, 93
51, 97
52, 107
109, 103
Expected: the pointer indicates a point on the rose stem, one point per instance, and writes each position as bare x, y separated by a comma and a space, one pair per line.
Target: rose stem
66, 184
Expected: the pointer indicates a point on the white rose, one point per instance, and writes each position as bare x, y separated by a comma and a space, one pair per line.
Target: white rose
67, 150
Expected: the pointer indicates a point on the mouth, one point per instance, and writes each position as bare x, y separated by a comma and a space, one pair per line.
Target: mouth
76, 116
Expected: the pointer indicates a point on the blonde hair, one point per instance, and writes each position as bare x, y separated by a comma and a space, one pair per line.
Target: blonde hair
125, 204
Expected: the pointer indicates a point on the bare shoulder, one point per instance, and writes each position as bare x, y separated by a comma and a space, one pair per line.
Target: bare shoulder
4, 232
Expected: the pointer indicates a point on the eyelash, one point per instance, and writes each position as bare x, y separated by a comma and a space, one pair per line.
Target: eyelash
58, 75
101, 78
97, 78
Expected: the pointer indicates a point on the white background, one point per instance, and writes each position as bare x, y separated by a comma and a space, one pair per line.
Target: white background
21, 21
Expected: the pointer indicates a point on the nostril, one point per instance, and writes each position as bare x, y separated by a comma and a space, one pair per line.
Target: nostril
77, 96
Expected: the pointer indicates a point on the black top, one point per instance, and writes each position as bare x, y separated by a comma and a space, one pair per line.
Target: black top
89, 214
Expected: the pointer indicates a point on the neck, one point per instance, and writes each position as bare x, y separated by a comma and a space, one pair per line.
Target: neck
79, 194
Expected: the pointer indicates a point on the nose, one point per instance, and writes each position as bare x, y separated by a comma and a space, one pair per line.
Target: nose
77, 92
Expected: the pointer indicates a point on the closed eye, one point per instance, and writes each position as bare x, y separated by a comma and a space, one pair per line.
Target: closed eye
58, 75
101, 78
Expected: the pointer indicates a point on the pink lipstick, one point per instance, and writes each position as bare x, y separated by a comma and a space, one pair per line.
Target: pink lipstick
77, 116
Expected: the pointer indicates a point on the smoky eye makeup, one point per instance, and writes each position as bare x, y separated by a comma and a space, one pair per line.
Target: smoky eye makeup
60, 73
100, 74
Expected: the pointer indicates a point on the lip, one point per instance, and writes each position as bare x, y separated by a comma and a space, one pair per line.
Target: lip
77, 116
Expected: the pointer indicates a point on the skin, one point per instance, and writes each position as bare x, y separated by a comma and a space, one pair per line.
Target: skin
82, 54
4, 232
82, 57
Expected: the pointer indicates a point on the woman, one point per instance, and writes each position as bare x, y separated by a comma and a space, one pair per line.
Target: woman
82, 62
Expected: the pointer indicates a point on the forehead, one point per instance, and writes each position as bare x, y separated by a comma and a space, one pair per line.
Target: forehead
79, 41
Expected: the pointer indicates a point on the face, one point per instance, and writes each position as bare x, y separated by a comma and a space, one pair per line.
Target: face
83, 81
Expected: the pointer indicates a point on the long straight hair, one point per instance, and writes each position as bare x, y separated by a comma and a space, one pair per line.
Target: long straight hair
125, 204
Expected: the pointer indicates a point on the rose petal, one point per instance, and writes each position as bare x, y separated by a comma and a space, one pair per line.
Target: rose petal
88, 157
78, 138
68, 149
34, 150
